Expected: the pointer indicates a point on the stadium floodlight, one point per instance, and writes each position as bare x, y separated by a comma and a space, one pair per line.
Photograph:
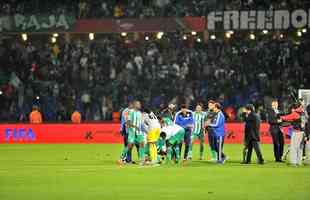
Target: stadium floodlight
124, 34
304, 30
198, 40
147, 38
194, 33
159, 35
252, 36
54, 40
24, 36
91, 36
265, 32
184, 37
1, 92
55, 35
228, 34
299, 33
213, 37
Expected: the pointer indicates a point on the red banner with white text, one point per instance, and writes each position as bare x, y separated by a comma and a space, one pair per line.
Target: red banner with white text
94, 133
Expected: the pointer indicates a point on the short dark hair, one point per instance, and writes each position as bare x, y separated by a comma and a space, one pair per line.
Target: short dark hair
218, 105
163, 135
211, 101
183, 105
250, 107
274, 100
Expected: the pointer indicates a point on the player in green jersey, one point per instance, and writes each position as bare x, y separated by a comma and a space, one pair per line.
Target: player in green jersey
135, 133
199, 130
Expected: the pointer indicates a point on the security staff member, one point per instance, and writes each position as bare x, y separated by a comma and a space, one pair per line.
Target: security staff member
251, 140
35, 116
275, 131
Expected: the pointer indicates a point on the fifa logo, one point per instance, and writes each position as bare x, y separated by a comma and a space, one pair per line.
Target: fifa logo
19, 134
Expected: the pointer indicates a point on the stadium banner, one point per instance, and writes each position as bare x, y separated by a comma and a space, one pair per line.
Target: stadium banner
36, 23
140, 25
258, 19
95, 133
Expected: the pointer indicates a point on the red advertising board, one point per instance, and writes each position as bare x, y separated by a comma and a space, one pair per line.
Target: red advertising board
93, 133
169, 24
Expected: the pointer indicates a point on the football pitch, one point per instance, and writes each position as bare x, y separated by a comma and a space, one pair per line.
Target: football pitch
90, 172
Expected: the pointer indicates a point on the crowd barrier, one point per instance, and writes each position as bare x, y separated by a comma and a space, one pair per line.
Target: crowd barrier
96, 133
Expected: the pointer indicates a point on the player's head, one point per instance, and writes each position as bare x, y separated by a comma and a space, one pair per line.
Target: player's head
297, 107
211, 104
146, 110
199, 107
163, 135
274, 104
217, 107
249, 108
35, 108
137, 104
130, 104
183, 108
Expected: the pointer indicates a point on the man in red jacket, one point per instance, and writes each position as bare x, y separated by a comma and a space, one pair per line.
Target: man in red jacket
294, 118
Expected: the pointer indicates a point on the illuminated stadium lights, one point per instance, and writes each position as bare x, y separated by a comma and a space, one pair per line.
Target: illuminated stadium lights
194, 33
91, 36
252, 36
1, 92
198, 40
55, 35
124, 34
265, 32
147, 38
304, 30
24, 37
213, 37
53, 40
299, 33
228, 35
184, 37
159, 35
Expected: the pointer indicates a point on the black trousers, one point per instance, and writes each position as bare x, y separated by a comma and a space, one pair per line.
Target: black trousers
278, 143
249, 148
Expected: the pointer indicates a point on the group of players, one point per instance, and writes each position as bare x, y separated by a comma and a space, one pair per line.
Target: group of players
159, 137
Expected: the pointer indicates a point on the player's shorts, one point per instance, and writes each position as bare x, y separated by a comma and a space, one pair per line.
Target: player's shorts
140, 139
153, 135
131, 136
177, 138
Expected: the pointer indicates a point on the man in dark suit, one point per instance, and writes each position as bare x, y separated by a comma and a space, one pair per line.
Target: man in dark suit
251, 140
275, 131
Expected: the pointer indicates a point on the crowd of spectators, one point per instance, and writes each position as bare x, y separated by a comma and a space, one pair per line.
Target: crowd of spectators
99, 77
139, 8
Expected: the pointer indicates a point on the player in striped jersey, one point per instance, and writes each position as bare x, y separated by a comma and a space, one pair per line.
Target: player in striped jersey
199, 130
135, 133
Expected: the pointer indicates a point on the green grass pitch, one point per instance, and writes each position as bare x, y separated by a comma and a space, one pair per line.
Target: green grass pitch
90, 172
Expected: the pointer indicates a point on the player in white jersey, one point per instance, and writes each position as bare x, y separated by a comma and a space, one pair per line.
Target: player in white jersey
174, 135
152, 129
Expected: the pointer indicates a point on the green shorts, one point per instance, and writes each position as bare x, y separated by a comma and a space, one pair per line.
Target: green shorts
140, 139
177, 138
